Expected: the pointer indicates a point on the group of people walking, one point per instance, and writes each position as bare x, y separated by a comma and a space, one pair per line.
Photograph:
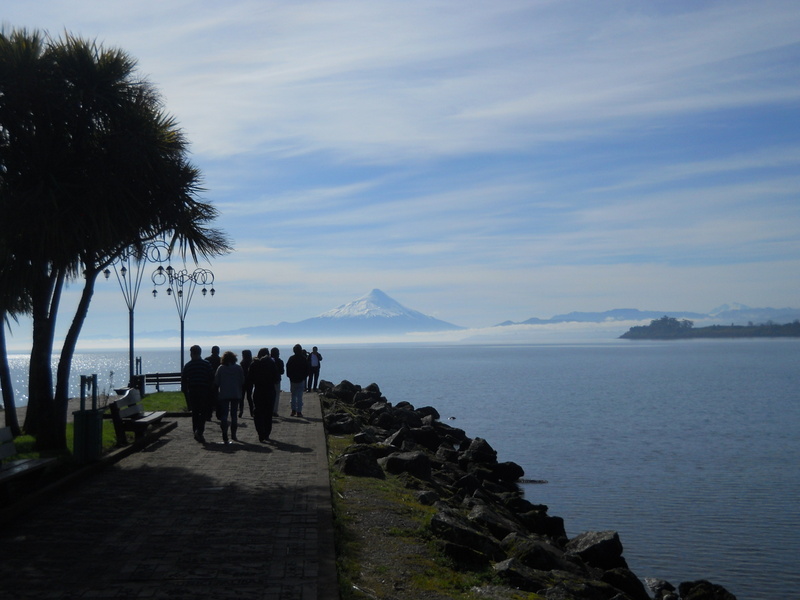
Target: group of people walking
223, 385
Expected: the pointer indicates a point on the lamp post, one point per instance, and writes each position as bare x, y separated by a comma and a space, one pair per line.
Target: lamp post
129, 269
181, 285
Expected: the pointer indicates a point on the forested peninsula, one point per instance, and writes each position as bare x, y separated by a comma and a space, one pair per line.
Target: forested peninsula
670, 328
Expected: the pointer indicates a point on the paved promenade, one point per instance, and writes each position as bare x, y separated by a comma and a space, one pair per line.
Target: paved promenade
184, 520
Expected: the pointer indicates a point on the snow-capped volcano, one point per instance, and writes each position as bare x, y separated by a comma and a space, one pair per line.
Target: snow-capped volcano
372, 305
370, 315
375, 313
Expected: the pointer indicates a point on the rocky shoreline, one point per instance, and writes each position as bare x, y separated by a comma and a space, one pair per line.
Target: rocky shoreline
482, 520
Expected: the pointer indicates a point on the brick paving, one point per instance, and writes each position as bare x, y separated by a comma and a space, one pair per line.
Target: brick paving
183, 520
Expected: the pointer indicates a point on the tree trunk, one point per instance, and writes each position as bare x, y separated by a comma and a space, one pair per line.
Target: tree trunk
68, 351
5, 382
40, 416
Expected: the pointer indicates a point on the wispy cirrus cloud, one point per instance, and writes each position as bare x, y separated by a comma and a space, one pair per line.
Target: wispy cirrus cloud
526, 158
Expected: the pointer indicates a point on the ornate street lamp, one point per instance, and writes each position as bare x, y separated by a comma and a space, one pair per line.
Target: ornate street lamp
129, 269
181, 285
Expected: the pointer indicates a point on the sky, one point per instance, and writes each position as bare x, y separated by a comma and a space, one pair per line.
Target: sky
477, 161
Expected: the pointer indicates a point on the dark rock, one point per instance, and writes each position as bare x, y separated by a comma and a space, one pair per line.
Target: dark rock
445, 452
452, 435
508, 471
576, 589
468, 483
428, 497
627, 582
465, 557
703, 590
539, 554
374, 388
426, 437
601, 549
344, 391
479, 451
518, 504
340, 423
539, 522
521, 577
361, 463
494, 522
452, 526
368, 435
415, 463
397, 438
382, 419
428, 411
662, 590
364, 400
408, 417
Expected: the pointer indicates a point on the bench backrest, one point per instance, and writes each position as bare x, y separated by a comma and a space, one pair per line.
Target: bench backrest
162, 378
6, 443
130, 405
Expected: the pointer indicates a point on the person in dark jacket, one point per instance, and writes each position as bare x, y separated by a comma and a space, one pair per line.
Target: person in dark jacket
214, 359
276, 358
297, 372
197, 382
261, 379
247, 360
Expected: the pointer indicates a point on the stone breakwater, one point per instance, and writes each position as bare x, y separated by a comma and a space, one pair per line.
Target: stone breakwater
482, 519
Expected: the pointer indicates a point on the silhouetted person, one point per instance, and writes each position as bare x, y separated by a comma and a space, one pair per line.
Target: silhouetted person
276, 358
229, 382
214, 360
261, 379
247, 360
197, 381
297, 371
314, 360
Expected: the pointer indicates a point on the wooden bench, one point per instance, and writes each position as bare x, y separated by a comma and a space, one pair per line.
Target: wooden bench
128, 414
17, 468
159, 379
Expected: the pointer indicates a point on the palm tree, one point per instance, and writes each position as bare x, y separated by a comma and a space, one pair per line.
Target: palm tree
96, 168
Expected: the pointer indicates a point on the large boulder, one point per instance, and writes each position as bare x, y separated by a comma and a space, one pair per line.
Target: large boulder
344, 391
415, 463
703, 590
627, 582
479, 451
340, 422
452, 526
539, 554
493, 521
426, 436
507, 471
522, 577
600, 549
361, 462
429, 411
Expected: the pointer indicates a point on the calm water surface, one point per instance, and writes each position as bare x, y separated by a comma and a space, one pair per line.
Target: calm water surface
690, 450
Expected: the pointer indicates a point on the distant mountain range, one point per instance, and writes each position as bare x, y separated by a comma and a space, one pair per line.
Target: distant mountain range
376, 314
737, 314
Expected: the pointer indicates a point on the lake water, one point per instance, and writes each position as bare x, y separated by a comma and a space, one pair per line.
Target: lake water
689, 449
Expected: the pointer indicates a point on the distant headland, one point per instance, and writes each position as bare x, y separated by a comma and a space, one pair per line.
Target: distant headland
670, 328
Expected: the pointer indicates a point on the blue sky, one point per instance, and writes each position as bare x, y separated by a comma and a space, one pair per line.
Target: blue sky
477, 161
